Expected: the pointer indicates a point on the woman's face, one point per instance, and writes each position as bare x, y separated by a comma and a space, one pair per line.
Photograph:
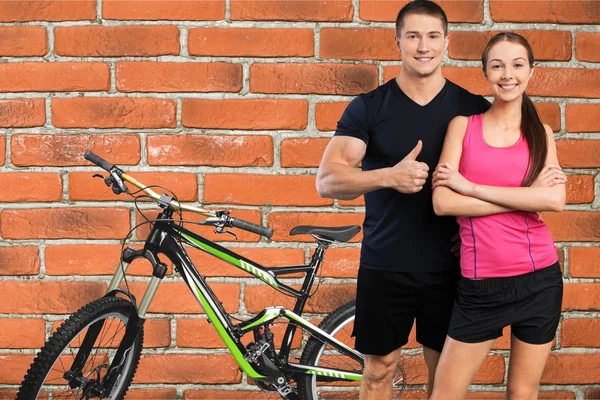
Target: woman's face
507, 70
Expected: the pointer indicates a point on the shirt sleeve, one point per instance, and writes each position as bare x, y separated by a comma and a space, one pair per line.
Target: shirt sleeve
355, 121
482, 105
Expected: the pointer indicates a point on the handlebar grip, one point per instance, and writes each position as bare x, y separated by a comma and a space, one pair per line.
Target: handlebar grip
250, 227
99, 161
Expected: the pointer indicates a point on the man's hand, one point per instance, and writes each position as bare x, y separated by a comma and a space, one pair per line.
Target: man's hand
549, 176
409, 175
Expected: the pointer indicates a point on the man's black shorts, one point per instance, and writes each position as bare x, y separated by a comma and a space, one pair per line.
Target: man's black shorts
387, 304
529, 303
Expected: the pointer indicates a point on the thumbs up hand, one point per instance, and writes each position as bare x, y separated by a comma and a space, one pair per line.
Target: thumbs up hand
409, 175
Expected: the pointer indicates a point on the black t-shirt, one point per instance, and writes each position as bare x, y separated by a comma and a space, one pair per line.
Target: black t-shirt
401, 231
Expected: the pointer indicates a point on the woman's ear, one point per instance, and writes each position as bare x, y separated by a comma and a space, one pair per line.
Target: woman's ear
531, 72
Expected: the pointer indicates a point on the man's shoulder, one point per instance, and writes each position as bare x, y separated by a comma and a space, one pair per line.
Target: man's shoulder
469, 103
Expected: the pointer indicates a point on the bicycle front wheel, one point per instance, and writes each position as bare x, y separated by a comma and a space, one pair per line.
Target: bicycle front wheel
47, 372
338, 324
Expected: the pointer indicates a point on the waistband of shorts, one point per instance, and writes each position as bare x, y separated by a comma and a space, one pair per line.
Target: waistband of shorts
487, 283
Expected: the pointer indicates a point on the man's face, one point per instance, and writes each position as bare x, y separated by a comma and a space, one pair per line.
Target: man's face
422, 44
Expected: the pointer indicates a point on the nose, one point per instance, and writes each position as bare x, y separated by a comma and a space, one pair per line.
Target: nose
506, 73
423, 45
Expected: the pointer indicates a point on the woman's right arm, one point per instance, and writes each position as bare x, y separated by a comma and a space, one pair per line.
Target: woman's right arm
445, 200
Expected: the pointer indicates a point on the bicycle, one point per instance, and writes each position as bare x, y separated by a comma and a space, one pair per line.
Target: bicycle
99, 346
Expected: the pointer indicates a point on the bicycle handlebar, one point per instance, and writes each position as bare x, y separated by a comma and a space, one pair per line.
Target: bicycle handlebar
233, 222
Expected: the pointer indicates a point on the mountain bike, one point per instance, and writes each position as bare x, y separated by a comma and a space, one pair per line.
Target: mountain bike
95, 352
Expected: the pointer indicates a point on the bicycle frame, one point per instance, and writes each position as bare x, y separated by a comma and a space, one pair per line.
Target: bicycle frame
162, 240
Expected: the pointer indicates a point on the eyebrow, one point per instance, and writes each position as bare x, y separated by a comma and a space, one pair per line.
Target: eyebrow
407, 32
495, 59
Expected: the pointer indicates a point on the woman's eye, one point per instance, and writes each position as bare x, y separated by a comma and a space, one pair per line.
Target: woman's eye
496, 66
518, 65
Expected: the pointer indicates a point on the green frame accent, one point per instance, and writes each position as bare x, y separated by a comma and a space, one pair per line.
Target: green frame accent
239, 358
261, 274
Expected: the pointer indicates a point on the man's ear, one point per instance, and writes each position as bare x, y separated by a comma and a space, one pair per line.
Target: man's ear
447, 40
397, 41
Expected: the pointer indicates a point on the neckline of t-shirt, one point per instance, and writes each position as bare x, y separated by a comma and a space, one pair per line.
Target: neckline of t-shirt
433, 100
495, 147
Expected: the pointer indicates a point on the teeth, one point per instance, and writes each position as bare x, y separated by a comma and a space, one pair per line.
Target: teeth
508, 87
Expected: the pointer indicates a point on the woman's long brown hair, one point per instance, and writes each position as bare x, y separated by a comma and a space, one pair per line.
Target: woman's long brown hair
531, 125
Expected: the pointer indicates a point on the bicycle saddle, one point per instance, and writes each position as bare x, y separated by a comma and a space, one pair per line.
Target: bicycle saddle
339, 233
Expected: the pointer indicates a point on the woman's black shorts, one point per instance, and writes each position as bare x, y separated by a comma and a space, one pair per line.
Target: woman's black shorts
529, 303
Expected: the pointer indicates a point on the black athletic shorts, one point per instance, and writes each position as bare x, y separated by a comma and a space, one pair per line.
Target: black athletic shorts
387, 304
529, 303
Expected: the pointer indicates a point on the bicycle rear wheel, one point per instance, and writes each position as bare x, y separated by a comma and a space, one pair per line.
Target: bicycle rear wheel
46, 374
338, 324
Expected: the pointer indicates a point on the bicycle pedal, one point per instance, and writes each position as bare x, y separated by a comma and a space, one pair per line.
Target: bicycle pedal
256, 350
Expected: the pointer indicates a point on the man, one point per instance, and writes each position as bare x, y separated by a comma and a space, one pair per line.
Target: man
407, 269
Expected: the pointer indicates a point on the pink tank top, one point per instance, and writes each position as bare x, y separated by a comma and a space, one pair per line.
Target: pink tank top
501, 245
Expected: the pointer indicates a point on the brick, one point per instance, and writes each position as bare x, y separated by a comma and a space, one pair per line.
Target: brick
2, 150
592, 394
341, 263
340, 79
21, 297
199, 333
18, 333
149, 76
302, 152
211, 150
565, 82
23, 41
349, 44
357, 202
114, 112
581, 296
187, 368
116, 41
578, 153
566, 369
580, 332
546, 45
172, 10
583, 117
54, 77
555, 12
327, 115
154, 394
82, 186
456, 10
291, 10
587, 46
268, 257
47, 10
252, 189
88, 259
283, 222
255, 114
580, 189
19, 260
573, 226
30, 186
65, 223
209, 394
549, 114
251, 42
584, 262
66, 150
327, 299
177, 297
22, 113
208, 231
157, 333
14, 367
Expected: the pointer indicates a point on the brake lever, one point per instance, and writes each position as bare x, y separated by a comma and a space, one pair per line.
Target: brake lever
221, 229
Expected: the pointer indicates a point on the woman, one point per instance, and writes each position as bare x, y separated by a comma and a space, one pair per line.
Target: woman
496, 171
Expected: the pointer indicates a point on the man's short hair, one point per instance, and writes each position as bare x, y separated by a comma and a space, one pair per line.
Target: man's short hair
423, 7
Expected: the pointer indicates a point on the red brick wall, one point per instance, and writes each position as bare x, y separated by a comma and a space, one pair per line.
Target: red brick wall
230, 103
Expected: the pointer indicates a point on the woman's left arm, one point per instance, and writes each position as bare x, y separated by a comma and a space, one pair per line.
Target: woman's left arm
532, 198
